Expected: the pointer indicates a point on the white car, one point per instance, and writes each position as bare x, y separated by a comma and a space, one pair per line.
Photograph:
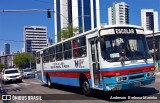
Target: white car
28, 73
11, 75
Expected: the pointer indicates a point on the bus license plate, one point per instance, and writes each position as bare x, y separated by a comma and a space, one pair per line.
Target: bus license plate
136, 84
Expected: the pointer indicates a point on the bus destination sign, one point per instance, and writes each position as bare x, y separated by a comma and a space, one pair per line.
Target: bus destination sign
125, 31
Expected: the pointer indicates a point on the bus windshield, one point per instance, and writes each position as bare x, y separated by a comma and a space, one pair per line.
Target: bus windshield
125, 47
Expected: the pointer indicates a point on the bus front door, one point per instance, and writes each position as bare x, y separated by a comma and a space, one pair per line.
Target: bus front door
95, 65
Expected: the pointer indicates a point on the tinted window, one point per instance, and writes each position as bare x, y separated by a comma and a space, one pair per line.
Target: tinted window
79, 47
11, 71
52, 54
27, 70
59, 52
46, 55
67, 50
125, 47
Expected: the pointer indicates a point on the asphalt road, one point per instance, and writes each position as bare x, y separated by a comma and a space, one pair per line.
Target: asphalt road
68, 94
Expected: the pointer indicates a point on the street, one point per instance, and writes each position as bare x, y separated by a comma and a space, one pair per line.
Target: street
64, 94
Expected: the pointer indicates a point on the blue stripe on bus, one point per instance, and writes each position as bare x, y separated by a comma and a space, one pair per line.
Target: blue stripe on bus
107, 80
64, 81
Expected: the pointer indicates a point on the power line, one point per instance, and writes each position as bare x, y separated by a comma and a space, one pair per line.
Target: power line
11, 40
28, 10
44, 1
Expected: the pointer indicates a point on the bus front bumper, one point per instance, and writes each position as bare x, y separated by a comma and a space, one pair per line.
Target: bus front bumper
124, 85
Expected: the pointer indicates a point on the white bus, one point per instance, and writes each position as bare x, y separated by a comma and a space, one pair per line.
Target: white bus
110, 58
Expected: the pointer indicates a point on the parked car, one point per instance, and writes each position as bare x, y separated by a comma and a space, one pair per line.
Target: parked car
12, 74
28, 73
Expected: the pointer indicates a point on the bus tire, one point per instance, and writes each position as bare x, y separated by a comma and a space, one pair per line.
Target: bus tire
49, 83
86, 88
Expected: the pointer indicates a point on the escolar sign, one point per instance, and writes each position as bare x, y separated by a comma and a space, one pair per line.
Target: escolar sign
125, 31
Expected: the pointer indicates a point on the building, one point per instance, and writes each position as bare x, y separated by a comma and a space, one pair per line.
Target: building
35, 38
7, 61
2, 53
6, 58
79, 13
6, 49
49, 41
118, 14
149, 20
149, 38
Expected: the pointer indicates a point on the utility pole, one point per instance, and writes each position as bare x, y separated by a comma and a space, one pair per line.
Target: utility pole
154, 47
30, 61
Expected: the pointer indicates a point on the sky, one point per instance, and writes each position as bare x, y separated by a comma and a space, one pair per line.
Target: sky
12, 23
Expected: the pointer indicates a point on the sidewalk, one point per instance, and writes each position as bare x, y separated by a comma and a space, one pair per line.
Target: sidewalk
157, 73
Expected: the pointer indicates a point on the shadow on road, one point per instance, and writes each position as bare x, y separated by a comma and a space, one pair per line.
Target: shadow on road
104, 95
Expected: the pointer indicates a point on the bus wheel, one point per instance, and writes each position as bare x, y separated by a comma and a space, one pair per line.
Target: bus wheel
49, 83
86, 88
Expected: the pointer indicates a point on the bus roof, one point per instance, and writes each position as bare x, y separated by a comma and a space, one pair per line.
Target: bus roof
127, 25
93, 30
82, 34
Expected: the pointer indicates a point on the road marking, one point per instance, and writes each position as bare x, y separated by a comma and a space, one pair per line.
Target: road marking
23, 80
15, 85
25, 84
35, 83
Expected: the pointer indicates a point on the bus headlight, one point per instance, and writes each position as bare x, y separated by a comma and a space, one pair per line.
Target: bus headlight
118, 79
122, 78
150, 74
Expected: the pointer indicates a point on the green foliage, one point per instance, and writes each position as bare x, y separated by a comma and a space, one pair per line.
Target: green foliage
22, 60
68, 32
1, 67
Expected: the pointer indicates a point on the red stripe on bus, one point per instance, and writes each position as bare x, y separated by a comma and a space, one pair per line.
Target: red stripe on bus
103, 73
68, 74
127, 71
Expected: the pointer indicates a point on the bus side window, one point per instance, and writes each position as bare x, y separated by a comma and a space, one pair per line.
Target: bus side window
82, 47
79, 47
67, 50
59, 55
75, 48
84, 53
52, 54
46, 56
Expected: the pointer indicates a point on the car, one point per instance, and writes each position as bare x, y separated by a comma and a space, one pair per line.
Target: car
12, 75
28, 73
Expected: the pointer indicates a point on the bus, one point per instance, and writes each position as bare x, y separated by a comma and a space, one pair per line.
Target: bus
109, 58
149, 38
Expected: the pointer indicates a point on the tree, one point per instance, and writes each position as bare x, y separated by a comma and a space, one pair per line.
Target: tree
68, 32
22, 60
1, 67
